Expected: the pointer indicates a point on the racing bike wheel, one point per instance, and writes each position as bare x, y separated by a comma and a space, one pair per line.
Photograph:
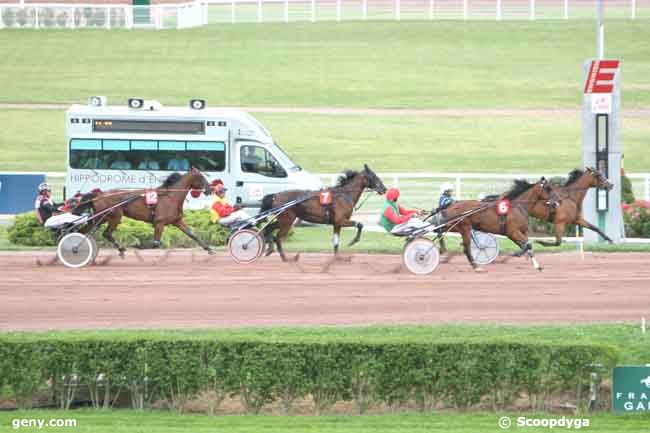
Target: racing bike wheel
421, 256
75, 250
484, 248
245, 246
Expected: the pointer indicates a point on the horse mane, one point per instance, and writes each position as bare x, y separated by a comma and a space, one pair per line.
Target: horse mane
171, 180
573, 176
519, 187
346, 177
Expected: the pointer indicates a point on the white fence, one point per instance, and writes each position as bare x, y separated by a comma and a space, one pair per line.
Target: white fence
202, 12
422, 189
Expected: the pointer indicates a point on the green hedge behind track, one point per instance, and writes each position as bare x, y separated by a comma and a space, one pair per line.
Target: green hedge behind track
457, 373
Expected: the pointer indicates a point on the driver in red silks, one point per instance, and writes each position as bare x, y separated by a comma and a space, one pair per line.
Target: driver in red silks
394, 218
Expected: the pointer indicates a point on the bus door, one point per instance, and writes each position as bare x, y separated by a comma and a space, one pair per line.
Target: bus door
257, 172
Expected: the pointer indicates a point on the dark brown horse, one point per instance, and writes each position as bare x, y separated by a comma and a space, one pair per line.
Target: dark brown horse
168, 210
523, 196
344, 195
569, 199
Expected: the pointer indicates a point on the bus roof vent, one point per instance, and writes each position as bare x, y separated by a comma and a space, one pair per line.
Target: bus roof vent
141, 104
97, 101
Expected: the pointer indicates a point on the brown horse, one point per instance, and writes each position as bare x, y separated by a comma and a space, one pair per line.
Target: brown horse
168, 210
569, 199
344, 196
523, 196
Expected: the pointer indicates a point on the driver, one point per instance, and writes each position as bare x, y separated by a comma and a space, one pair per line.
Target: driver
223, 212
44, 206
394, 218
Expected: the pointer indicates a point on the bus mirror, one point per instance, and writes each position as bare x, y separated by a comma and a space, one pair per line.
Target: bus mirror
136, 103
97, 101
197, 104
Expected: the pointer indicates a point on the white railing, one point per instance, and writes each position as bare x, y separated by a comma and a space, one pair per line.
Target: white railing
202, 12
423, 189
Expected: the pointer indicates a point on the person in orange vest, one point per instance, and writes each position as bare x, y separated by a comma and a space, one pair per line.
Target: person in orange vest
396, 219
223, 212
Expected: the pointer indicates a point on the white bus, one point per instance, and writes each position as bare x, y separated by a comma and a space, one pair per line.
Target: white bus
139, 145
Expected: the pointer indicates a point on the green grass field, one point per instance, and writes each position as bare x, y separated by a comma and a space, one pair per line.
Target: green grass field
388, 144
372, 64
154, 422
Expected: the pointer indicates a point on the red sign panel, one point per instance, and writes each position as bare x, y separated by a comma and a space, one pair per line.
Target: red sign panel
600, 78
503, 206
325, 197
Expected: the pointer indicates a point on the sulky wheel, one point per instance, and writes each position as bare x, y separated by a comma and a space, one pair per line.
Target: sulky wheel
421, 256
484, 248
75, 250
245, 246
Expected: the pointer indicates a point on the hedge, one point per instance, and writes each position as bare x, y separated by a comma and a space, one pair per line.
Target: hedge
459, 374
27, 231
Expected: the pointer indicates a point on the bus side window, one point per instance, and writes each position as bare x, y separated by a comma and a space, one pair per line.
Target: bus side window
207, 156
256, 159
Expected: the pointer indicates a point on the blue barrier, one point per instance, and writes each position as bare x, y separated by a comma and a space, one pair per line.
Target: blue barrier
18, 192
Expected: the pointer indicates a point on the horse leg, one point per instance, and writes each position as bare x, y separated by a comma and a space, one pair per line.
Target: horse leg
586, 224
336, 239
113, 222
559, 231
281, 236
185, 229
466, 232
357, 236
526, 248
157, 234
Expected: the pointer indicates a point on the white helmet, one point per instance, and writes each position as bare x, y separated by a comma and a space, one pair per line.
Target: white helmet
44, 187
446, 186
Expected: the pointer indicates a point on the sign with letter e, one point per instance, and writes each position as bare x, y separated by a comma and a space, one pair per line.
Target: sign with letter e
631, 389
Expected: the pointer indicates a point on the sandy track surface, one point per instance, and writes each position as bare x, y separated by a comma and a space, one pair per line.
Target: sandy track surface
188, 289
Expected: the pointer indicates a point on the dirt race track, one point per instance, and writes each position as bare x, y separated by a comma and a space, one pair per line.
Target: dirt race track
188, 289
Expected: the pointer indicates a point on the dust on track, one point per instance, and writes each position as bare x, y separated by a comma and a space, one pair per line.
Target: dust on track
188, 289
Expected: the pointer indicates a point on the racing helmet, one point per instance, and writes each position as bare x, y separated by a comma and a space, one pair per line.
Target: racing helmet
392, 194
446, 187
44, 187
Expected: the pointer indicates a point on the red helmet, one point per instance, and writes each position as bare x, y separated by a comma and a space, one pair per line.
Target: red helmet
392, 194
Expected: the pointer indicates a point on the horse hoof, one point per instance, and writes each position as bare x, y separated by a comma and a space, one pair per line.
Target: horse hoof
296, 257
479, 270
211, 252
540, 269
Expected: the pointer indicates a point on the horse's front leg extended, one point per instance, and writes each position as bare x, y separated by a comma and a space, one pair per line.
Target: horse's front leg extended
586, 224
359, 227
336, 239
185, 229
108, 234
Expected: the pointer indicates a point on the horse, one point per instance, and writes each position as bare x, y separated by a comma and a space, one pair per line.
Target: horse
344, 197
569, 199
167, 211
523, 196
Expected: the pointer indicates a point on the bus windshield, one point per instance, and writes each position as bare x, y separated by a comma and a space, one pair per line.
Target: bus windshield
150, 155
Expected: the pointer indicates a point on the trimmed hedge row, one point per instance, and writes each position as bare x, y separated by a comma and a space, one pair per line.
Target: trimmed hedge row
458, 374
26, 230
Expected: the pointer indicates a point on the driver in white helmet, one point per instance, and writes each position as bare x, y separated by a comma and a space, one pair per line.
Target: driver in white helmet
446, 196
44, 206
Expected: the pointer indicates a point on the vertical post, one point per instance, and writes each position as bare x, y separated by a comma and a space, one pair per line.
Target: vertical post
499, 10
600, 32
72, 17
532, 10
398, 9
108, 17
313, 11
458, 186
395, 181
179, 17
566, 9
633, 9
465, 10
233, 19
430, 10
364, 10
36, 17
259, 11
128, 10
338, 10
2, 21
286, 11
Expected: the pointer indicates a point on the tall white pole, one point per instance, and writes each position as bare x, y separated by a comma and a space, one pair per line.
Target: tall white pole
600, 33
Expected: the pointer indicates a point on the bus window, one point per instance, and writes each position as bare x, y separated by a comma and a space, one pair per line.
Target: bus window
172, 156
145, 154
117, 155
207, 156
256, 159
85, 154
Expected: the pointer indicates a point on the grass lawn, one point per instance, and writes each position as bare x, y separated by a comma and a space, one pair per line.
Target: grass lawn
371, 64
329, 144
154, 422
